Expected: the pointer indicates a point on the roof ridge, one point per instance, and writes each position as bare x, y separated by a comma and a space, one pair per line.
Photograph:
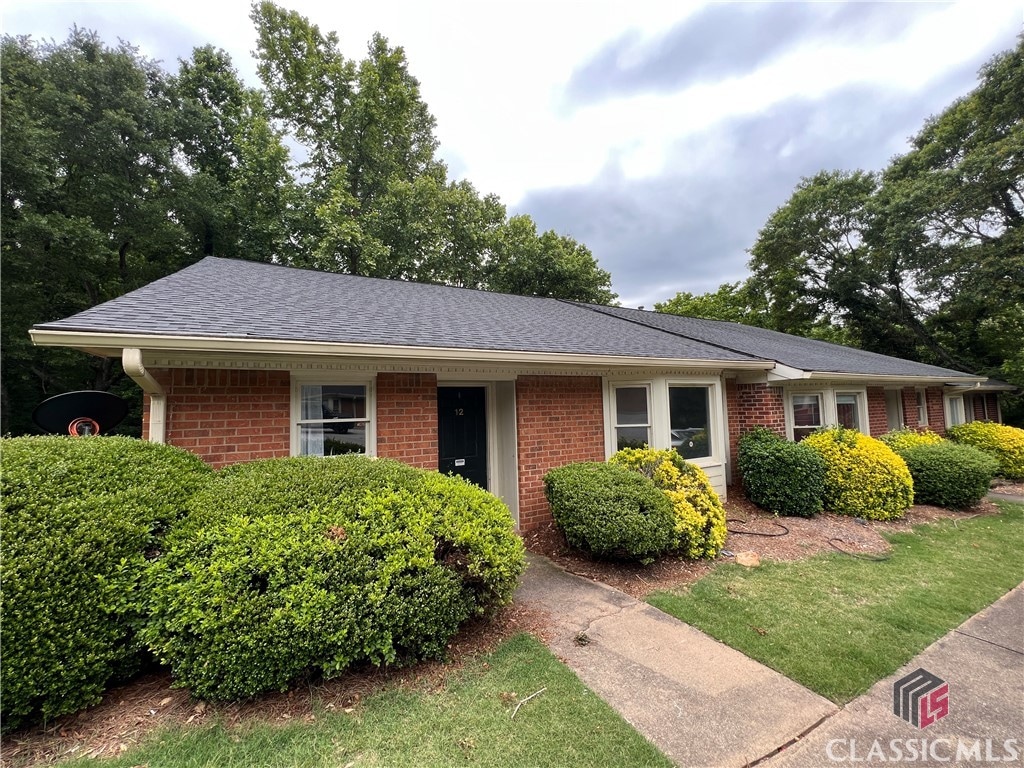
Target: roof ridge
598, 308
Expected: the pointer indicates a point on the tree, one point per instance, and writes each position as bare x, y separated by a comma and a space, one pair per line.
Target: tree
88, 166
926, 259
734, 302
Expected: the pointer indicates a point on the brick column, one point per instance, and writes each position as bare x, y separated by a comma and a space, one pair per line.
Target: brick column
407, 418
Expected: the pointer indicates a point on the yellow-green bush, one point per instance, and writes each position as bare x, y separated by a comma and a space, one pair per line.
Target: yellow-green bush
699, 514
864, 477
902, 439
1004, 442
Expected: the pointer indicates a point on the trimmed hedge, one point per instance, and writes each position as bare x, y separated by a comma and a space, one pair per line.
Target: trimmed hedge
863, 476
78, 519
291, 567
950, 475
610, 511
699, 529
779, 476
1004, 442
902, 439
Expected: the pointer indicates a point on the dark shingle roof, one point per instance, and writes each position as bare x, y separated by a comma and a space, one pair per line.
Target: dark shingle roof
794, 351
229, 298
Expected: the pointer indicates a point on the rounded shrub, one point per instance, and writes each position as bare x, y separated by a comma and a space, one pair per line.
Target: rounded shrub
1004, 442
902, 439
863, 476
950, 475
291, 567
609, 511
699, 529
79, 518
779, 476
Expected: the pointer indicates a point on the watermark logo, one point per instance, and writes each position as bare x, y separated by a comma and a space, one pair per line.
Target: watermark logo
920, 698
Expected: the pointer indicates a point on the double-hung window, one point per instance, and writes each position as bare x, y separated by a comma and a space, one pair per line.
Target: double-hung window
333, 419
806, 415
955, 410
848, 410
632, 416
922, 408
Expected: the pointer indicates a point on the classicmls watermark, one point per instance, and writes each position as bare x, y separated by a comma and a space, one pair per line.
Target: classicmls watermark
922, 699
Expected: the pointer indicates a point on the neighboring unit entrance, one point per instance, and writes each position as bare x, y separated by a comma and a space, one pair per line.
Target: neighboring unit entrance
462, 433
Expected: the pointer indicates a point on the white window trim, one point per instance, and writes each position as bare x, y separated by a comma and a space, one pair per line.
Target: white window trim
900, 416
948, 409
658, 414
829, 411
921, 403
300, 379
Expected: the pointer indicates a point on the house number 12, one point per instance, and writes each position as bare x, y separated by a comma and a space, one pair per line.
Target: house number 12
458, 412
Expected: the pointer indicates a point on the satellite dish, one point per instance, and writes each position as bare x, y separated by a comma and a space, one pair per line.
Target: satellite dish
80, 413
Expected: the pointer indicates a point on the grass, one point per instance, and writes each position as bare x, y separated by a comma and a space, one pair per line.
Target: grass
469, 722
837, 624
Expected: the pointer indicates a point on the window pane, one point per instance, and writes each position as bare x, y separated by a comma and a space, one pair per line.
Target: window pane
956, 410
846, 411
631, 405
689, 421
332, 439
632, 437
333, 402
806, 411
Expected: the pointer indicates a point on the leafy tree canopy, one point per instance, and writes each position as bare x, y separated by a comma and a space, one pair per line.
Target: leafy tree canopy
924, 260
117, 172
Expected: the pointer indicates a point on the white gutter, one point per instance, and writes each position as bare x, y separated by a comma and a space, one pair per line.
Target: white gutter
131, 361
783, 373
113, 343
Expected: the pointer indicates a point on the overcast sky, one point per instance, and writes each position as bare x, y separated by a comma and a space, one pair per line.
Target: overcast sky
660, 134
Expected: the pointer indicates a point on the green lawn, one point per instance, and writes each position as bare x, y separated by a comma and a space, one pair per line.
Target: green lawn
468, 723
837, 624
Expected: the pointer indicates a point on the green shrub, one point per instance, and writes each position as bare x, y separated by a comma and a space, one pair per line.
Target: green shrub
291, 567
950, 475
901, 439
1004, 442
863, 476
609, 511
699, 529
78, 518
779, 476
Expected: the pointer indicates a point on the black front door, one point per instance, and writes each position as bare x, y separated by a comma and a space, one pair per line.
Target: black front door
462, 433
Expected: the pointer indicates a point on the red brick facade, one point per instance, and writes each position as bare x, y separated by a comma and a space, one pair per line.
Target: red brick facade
559, 420
226, 416
936, 410
407, 418
752, 405
878, 420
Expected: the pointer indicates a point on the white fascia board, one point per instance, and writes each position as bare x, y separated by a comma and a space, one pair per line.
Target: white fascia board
780, 372
111, 345
892, 379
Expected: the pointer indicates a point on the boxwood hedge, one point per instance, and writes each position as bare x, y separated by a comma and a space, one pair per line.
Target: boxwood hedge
291, 567
950, 475
610, 511
79, 518
780, 476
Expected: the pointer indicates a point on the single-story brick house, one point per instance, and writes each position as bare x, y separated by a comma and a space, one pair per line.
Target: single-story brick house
242, 360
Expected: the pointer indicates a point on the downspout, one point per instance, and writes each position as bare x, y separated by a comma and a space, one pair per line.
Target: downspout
131, 361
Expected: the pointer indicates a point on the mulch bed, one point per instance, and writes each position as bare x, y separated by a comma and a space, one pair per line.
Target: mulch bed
128, 713
801, 538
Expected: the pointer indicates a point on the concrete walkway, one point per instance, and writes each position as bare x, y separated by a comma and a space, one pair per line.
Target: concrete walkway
983, 663
701, 702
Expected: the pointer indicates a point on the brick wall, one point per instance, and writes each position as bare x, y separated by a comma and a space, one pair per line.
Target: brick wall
751, 405
559, 420
226, 416
407, 418
936, 410
878, 421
